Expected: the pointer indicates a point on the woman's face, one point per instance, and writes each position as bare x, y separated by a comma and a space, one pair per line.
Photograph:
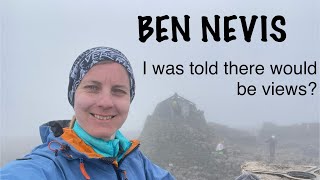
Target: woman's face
102, 100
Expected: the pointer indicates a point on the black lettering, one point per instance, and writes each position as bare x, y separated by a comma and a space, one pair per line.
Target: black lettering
158, 69
206, 25
280, 90
227, 29
276, 69
303, 90
145, 27
266, 91
291, 90
144, 67
264, 28
160, 29
242, 90
276, 28
247, 32
175, 25
170, 69
179, 69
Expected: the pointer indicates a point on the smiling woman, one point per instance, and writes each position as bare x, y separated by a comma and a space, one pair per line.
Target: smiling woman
102, 100
90, 146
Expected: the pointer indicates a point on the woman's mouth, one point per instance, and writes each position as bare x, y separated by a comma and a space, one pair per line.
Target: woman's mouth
100, 117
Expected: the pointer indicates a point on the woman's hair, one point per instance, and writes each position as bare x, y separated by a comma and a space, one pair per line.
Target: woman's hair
73, 120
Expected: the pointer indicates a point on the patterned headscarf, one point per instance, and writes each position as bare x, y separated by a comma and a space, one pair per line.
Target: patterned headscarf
89, 58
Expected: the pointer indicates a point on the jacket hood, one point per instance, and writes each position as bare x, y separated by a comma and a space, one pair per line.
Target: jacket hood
56, 127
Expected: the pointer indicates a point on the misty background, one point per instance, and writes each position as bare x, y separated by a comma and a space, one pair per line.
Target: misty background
41, 39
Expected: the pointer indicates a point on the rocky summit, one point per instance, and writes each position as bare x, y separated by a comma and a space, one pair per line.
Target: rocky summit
177, 137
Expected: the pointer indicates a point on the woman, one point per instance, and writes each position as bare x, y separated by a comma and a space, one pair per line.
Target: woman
101, 88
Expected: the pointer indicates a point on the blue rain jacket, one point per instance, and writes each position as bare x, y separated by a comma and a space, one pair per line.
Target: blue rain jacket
64, 156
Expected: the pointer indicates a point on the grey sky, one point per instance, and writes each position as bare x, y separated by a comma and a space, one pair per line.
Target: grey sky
41, 39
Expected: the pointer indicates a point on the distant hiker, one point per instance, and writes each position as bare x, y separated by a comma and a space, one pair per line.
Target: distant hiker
220, 148
272, 141
90, 146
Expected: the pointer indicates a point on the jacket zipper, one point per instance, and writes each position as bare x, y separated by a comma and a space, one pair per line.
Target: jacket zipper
116, 165
83, 170
128, 154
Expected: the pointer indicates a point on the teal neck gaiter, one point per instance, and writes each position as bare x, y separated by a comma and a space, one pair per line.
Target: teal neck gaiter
110, 148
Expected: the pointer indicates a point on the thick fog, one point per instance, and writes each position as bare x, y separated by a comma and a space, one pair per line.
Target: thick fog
41, 39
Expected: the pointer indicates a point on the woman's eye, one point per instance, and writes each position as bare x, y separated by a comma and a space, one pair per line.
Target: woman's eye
119, 91
91, 87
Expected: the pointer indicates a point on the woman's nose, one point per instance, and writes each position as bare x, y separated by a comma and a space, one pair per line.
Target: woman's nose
105, 101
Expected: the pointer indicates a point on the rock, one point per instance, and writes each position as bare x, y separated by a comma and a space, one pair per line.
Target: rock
177, 137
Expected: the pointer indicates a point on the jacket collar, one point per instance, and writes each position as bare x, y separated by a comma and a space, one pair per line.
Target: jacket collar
60, 131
